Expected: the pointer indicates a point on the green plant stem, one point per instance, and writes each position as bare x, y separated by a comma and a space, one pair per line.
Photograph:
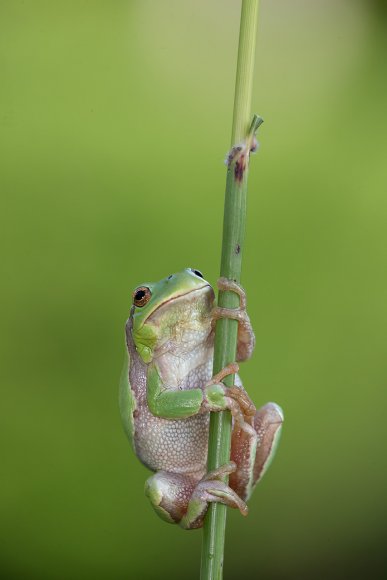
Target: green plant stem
231, 262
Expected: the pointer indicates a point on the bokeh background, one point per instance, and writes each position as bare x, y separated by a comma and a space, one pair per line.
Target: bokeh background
115, 119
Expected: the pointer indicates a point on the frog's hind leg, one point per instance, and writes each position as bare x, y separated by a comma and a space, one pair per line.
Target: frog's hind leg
183, 499
170, 493
253, 449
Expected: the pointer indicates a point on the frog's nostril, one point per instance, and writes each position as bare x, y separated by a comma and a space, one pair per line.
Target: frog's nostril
169, 277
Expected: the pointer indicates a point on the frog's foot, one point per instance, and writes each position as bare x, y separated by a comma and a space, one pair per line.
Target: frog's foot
183, 499
246, 338
253, 453
218, 397
210, 489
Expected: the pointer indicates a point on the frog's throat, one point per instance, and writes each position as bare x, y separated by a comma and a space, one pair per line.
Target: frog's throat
145, 334
175, 297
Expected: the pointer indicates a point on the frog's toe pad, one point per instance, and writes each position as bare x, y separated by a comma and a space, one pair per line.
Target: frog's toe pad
228, 285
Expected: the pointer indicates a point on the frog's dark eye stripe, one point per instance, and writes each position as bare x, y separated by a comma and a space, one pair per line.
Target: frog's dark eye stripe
141, 296
197, 272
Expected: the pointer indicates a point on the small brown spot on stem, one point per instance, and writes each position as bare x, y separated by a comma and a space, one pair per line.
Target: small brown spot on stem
239, 170
237, 249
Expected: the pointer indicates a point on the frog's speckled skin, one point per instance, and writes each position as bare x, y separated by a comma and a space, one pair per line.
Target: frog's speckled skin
168, 426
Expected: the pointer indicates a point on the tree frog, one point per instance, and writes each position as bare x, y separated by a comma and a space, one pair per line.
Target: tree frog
167, 391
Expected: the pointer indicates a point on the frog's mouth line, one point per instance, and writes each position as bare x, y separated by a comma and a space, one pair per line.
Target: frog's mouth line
184, 295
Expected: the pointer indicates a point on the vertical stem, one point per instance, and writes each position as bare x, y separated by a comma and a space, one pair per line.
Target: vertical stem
232, 250
245, 70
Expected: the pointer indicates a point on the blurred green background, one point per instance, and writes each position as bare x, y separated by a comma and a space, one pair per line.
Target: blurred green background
115, 119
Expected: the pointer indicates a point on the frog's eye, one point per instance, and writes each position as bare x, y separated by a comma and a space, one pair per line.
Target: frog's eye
197, 272
141, 296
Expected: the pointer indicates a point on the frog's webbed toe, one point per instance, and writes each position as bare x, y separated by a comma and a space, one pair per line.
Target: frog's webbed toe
218, 397
184, 499
246, 337
210, 489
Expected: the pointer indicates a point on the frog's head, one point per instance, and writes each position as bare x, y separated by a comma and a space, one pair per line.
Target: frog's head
158, 307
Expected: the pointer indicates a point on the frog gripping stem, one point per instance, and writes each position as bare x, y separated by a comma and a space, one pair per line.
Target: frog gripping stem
243, 142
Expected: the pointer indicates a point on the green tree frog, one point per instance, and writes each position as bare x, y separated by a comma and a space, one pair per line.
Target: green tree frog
167, 392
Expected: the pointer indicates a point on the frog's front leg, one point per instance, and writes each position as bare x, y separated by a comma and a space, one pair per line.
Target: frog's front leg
246, 337
183, 499
213, 396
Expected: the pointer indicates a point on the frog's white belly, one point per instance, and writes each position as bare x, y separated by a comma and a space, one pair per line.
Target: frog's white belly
179, 446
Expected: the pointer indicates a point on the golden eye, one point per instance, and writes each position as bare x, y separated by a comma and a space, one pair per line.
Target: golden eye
141, 296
